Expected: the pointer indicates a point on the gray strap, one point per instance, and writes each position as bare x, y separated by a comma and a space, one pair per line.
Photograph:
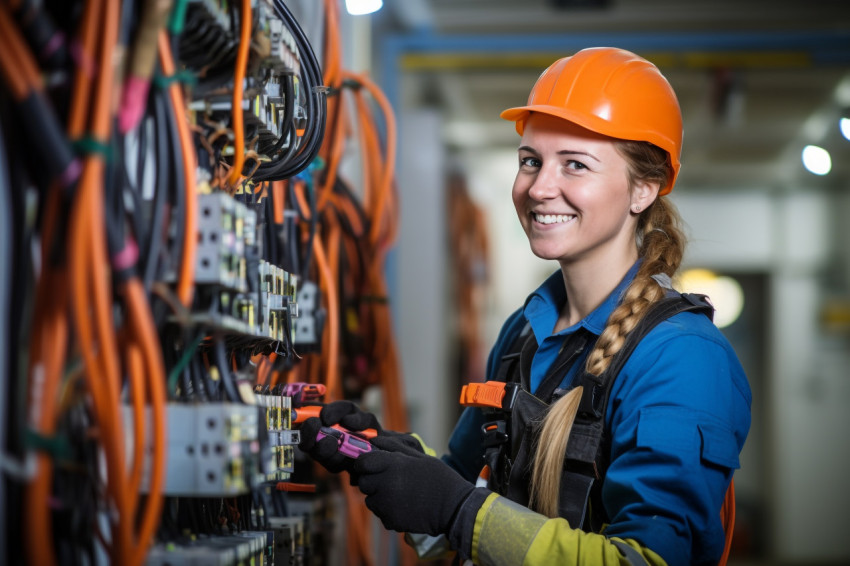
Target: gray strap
664, 280
633, 556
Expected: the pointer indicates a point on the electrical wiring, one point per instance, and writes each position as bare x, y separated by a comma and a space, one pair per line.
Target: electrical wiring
6, 262
185, 284
227, 379
164, 152
238, 86
315, 97
91, 298
165, 280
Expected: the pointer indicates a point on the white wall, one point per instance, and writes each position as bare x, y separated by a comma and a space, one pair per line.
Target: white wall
421, 278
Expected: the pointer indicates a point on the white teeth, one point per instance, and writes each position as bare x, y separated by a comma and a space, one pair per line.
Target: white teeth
553, 218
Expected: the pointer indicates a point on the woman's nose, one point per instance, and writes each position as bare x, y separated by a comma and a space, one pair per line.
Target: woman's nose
545, 185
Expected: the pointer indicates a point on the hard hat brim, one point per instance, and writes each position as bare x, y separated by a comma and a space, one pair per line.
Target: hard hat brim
519, 115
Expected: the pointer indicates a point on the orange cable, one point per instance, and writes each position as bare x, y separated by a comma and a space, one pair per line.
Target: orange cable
49, 338
92, 296
17, 55
136, 376
334, 391
142, 321
186, 279
387, 175
238, 91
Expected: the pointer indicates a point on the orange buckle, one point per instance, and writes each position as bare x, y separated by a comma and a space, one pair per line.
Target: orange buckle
488, 394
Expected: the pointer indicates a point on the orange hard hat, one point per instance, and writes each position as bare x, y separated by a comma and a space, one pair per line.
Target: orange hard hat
611, 92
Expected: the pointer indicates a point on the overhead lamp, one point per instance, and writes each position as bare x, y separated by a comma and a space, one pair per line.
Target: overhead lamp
725, 293
816, 160
844, 126
362, 7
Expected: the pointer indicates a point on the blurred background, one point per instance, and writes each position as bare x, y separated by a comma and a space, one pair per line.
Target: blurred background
761, 85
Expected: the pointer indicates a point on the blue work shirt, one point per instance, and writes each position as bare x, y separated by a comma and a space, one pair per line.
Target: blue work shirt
678, 416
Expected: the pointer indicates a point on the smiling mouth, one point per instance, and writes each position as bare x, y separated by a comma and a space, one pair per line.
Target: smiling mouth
552, 218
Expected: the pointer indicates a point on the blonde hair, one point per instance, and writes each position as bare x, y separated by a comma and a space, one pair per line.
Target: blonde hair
661, 245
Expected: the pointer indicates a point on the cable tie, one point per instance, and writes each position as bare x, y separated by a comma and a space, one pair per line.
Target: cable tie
53, 44
177, 19
183, 76
71, 173
83, 59
89, 145
56, 446
321, 89
306, 174
128, 255
352, 84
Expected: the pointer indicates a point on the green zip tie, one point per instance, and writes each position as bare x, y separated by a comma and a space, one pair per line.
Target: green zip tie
181, 364
184, 76
56, 446
88, 145
178, 17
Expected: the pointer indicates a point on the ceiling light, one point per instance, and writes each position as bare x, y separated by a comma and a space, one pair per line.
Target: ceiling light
725, 293
361, 7
844, 125
816, 160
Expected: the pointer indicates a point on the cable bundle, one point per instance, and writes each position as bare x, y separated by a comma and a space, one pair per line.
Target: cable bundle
174, 196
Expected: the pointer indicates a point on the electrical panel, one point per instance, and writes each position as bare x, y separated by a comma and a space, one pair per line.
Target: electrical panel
189, 268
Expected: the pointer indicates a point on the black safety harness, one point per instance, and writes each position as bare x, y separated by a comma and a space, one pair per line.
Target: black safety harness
515, 415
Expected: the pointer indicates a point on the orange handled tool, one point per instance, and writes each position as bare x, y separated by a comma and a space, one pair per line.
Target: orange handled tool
301, 414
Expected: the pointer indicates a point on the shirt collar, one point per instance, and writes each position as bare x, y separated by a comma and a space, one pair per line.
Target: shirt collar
544, 304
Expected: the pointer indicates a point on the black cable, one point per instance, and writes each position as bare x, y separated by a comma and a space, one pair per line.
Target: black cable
288, 113
226, 377
196, 372
315, 96
114, 215
150, 256
270, 232
178, 185
7, 237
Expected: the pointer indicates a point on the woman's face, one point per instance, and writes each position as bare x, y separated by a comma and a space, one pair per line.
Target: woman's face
572, 193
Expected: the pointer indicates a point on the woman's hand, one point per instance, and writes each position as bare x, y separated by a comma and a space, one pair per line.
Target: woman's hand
408, 490
349, 416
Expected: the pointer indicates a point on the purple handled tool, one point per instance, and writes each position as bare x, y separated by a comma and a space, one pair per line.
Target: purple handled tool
304, 392
350, 445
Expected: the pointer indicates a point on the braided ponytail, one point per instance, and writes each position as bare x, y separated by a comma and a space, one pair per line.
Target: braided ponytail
661, 245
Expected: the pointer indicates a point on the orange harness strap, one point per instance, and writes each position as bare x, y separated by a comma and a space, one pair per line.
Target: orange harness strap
727, 517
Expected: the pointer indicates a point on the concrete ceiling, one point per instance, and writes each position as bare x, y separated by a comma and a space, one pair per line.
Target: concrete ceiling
756, 79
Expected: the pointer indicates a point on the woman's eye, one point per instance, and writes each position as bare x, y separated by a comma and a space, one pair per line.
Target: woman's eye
529, 162
576, 165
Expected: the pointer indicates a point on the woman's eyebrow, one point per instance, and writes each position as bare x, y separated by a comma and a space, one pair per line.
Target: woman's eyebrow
571, 152
561, 152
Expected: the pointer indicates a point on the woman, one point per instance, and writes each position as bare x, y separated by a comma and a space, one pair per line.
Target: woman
600, 148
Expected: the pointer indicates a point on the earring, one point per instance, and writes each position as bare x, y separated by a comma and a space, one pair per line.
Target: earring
637, 208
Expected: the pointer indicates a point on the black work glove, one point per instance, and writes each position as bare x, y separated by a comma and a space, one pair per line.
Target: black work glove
324, 451
351, 417
409, 491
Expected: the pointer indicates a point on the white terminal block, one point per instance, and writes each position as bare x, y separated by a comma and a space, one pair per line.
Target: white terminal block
212, 448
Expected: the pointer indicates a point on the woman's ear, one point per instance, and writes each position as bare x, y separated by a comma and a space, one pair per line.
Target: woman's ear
644, 194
